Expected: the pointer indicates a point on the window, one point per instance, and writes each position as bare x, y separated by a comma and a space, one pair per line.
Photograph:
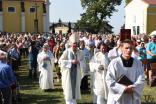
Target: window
32, 10
1, 6
134, 30
44, 8
11, 9
138, 30
22, 7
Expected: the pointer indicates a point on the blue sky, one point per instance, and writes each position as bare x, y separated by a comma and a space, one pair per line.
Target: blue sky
70, 10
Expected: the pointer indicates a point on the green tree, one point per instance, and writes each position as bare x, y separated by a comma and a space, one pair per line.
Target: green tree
96, 13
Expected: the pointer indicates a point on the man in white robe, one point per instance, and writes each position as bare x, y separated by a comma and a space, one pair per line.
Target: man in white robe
85, 72
133, 70
45, 61
98, 65
71, 63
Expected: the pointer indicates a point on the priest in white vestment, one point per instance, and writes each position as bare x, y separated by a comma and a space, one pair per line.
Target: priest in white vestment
45, 61
71, 63
98, 65
121, 93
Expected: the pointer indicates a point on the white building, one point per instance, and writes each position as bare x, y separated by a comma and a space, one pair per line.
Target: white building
140, 16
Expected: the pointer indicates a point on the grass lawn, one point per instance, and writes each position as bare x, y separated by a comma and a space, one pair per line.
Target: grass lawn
32, 94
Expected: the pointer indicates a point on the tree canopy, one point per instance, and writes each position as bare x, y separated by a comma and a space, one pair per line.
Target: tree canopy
97, 11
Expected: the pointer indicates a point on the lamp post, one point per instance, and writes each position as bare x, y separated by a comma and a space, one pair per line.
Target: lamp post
36, 19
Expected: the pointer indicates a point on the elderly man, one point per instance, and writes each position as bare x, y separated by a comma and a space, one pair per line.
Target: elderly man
120, 91
7, 78
71, 63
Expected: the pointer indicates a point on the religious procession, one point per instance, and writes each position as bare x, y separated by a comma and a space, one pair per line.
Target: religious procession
113, 71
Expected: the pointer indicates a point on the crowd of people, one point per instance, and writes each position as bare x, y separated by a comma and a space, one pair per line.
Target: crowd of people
81, 61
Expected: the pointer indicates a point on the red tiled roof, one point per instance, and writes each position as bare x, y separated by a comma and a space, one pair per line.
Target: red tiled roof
152, 2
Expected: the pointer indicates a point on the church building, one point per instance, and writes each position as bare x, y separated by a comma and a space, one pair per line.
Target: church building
140, 16
24, 15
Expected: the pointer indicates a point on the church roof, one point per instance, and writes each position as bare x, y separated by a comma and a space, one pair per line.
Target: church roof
151, 2
64, 24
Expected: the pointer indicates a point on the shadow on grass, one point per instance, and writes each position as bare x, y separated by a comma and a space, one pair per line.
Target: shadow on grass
39, 99
57, 90
28, 84
85, 91
30, 93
